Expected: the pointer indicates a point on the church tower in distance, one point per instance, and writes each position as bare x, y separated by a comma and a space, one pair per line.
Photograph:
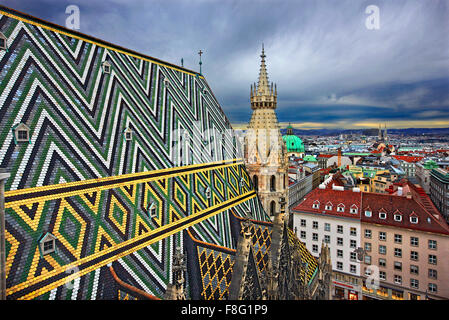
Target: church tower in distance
265, 152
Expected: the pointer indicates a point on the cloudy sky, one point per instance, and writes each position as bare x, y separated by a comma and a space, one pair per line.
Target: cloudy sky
330, 69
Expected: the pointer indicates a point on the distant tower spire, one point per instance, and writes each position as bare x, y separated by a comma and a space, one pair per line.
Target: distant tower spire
262, 86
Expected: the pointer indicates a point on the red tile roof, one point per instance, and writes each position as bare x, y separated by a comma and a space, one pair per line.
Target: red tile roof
393, 204
325, 156
419, 205
408, 158
348, 198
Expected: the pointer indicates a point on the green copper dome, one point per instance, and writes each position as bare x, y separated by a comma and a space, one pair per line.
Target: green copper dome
293, 143
309, 158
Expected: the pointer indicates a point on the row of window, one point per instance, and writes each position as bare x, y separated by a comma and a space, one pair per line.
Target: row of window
397, 216
327, 239
414, 241
327, 227
340, 208
414, 283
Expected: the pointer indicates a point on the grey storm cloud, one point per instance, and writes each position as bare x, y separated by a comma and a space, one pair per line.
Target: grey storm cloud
327, 65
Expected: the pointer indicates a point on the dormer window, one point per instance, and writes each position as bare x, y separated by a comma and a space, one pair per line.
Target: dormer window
152, 210
397, 216
47, 244
3, 42
414, 219
21, 133
328, 206
128, 134
382, 215
316, 205
341, 208
106, 66
368, 213
354, 209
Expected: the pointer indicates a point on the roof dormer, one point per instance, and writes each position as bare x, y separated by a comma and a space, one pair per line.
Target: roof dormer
397, 216
341, 207
328, 206
354, 209
316, 204
382, 214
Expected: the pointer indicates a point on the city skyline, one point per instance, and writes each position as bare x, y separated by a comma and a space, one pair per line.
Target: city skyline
330, 69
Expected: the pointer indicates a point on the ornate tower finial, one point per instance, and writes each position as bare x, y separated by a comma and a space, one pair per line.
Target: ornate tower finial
262, 86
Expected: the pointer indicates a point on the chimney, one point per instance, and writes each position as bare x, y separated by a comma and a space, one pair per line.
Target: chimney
409, 195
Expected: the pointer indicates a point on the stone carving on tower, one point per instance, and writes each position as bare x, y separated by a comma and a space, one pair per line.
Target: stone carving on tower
265, 151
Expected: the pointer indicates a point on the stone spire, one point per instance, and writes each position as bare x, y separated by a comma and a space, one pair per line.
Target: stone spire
262, 85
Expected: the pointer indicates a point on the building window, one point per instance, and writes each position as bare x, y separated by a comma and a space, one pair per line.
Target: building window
382, 249
106, 67
382, 275
414, 283
21, 133
432, 287
398, 266
382, 215
353, 231
433, 274
340, 208
414, 241
382, 236
315, 224
353, 256
3, 42
316, 205
303, 234
273, 183
368, 259
339, 229
328, 206
340, 241
414, 269
327, 227
414, 219
315, 248
397, 279
368, 213
272, 208
256, 182
339, 253
339, 265
353, 244
352, 268
397, 217
354, 209
47, 244
382, 262
315, 236
432, 244
208, 193
432, 259
414, 255
152, 212
368, 247
303, 223
368, 234
398, 238
327, 239
398, 252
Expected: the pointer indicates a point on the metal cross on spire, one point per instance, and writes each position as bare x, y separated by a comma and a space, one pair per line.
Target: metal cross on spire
200, 53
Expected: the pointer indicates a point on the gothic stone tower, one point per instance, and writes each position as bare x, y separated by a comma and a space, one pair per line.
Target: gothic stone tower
265, 151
